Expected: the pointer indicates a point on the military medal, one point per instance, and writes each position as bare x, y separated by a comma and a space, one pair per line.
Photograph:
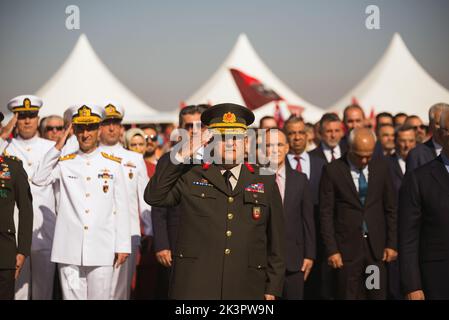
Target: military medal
105, 188
130, 174
256, 213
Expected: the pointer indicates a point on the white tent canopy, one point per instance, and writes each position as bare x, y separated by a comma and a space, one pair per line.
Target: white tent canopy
83, 78
221, 87
397, 83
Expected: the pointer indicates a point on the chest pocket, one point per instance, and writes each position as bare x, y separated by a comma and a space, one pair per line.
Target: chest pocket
256, 207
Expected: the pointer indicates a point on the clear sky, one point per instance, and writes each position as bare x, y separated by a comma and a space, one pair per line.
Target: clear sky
165, 50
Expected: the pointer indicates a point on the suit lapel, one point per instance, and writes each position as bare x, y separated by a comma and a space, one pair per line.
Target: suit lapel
372, 181
346, 173
431, 145
440, 173
396, 167
214, 176
245, 178
289, 195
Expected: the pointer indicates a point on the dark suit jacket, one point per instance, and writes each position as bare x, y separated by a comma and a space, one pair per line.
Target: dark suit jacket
424, 230
299, 221
316, 168
254, 263
14, 190
396, 172
318, 151
342, 214
420, 155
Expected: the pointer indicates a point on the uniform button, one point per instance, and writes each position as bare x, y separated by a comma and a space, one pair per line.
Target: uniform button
257, 201
230, 216
30, 164
28, 149
87, 210
29, 179
203, 195
229, 233
87, 195
87, 163
88, 178
227, 251
259, 267
230, 199
255, 195
86, 227
181, 256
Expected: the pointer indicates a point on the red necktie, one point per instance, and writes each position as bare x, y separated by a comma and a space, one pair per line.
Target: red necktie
298, 165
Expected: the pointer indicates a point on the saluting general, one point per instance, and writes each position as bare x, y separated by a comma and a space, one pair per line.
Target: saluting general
14, 191
92, 228
38, 272
230, 241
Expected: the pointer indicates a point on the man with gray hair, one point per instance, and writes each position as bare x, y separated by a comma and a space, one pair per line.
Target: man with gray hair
358, 218
51, 127
429, 150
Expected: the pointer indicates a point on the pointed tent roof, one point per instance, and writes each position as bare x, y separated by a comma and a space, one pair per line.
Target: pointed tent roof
83, 77
397, 83
221, 87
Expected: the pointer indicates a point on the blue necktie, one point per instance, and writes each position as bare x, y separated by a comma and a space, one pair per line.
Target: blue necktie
363, 191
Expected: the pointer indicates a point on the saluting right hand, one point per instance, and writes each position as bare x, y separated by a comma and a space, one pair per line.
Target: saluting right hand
195, 143
62, 139
164, 258
6, 130
335, 261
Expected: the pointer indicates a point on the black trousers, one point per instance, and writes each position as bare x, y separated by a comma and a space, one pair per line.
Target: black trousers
7, 282
293, 286
352, 277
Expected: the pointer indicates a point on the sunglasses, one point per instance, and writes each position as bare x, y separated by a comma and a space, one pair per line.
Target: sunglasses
152, 137
80, 128
52, 128
24, 115
191, 125
108, 122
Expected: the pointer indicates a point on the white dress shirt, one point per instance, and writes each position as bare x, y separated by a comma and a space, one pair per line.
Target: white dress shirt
355, 174
402, 163
438, 147
235, 175
93, 215
304, 158
328, 152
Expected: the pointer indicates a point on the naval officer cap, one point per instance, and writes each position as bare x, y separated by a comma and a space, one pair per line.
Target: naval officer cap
114, 111
227, 118
25, 103
87, 114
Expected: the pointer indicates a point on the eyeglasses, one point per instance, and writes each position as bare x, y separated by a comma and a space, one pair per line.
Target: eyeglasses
27, 114
152, 137
51, 128
422, 127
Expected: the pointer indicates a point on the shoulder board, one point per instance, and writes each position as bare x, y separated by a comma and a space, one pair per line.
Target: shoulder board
67, 157
111, 157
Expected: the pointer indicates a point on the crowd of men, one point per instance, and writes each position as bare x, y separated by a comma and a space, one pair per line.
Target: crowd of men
355, 208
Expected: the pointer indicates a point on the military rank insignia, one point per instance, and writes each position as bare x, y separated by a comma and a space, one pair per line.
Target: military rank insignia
256, 187
203, 182
130, 174
106, 176
105, 187
130, 165
257, 213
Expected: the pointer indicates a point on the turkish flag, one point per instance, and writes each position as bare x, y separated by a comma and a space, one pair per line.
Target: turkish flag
254, 93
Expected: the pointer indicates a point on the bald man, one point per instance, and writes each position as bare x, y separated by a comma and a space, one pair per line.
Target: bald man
358, 219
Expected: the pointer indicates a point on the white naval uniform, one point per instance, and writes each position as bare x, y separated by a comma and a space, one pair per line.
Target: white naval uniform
92, 223
38, 270
3, 145
137, 179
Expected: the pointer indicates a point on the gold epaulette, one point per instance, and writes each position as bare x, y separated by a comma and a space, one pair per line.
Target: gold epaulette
67, 157
111, 157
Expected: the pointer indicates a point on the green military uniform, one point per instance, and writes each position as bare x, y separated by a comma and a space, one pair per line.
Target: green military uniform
230, 241
14, 189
